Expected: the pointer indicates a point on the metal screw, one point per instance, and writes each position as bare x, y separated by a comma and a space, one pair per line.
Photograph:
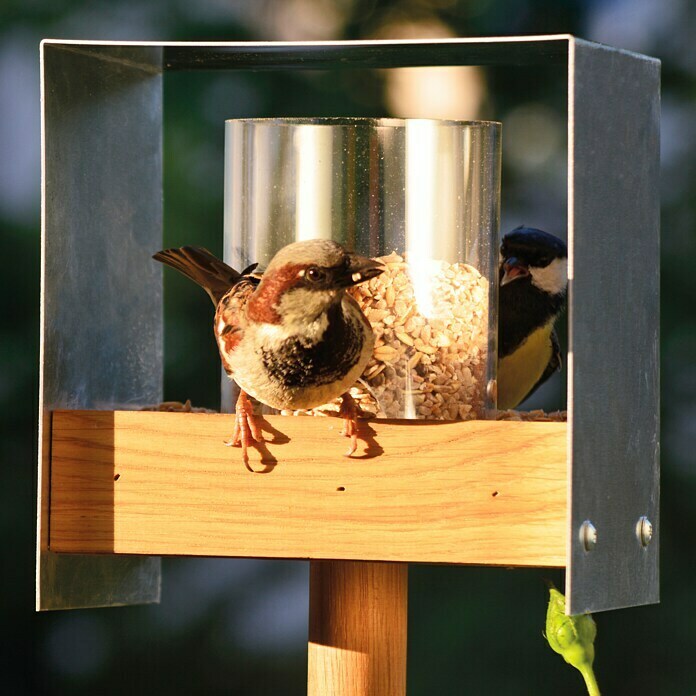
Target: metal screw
588, 535
644, 530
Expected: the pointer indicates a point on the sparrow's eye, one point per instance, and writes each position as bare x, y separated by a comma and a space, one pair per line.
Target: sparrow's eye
315, 275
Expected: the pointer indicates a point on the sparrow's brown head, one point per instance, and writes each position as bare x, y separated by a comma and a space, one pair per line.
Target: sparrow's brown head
305, 279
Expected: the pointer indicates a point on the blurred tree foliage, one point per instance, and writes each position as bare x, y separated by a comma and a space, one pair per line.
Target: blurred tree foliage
234, 627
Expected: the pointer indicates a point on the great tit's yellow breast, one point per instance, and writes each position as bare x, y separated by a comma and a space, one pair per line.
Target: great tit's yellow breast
522, 369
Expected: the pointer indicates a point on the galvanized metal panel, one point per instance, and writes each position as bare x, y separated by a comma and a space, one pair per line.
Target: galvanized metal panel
613, 325
101, 298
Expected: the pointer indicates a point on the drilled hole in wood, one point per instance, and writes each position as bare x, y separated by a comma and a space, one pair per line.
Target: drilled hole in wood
341, 488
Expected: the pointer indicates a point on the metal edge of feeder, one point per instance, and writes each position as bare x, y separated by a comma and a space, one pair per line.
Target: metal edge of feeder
101, 296
613, 375
151, 58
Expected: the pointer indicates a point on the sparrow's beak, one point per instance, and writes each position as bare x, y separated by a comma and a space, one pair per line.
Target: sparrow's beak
358, 270
513, 268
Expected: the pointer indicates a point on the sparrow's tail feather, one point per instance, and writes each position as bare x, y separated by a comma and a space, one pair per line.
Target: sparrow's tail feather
199, 265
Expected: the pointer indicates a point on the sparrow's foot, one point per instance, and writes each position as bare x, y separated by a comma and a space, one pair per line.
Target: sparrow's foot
349, 411
246, 427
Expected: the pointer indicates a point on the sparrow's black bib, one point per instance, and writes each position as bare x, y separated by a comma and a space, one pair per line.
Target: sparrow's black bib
300, 363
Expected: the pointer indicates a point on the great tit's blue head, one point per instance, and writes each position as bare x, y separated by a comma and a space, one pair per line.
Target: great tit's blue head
533, 256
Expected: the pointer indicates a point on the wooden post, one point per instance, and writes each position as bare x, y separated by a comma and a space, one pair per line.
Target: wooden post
357, 628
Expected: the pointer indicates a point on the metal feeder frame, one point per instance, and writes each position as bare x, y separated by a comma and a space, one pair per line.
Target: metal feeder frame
102, 326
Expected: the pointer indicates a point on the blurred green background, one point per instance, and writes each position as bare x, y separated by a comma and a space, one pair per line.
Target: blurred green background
240, 626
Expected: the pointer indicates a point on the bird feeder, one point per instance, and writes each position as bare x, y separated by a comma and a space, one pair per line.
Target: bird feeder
119, 487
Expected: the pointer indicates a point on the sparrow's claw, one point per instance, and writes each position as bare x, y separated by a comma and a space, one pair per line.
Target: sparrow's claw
246, 427
349, 411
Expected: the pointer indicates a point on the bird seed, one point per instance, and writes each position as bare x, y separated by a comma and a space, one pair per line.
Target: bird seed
431, 346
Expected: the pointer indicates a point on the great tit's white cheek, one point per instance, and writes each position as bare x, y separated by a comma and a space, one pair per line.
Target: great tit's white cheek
552, 278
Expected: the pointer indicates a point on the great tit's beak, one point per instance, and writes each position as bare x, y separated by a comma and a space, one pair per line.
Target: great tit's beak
358, 270
513, 268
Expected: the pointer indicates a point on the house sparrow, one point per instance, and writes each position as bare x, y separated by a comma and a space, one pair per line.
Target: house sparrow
533, 282
292, 338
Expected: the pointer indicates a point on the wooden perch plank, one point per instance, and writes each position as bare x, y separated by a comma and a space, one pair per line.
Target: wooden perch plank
480, 492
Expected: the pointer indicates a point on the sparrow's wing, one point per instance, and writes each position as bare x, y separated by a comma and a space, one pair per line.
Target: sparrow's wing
200, 266
230, 318
554, 365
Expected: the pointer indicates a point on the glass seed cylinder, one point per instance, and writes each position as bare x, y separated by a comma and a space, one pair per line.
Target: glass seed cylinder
422, 195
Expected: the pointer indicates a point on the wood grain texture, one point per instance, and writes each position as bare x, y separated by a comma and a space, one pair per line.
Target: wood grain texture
357, 628
480, 492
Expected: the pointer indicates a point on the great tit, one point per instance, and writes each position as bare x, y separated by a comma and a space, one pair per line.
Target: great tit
533, 282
